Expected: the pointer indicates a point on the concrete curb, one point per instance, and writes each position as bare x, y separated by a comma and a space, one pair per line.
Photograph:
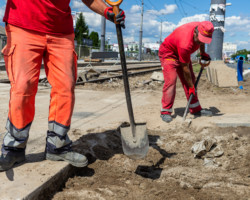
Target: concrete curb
48, 189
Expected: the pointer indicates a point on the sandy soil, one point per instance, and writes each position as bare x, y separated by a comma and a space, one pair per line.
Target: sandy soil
170, 170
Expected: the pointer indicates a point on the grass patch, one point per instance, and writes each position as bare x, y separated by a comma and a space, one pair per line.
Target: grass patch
196, 67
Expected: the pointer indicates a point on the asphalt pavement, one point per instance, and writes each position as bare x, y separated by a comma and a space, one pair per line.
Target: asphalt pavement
245, 65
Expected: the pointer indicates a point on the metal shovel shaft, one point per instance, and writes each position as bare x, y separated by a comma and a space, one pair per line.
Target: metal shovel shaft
125, 78
191, 96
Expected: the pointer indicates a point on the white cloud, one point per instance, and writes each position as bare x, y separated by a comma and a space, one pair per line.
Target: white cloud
128, 39
92, 19
79, 5
237, 21
169, 9
236, 24
243, 44
2, 10
195, 18
135, 8
168, 27
232, 34
238, 27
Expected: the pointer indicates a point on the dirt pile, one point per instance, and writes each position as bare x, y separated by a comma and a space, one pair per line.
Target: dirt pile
143, 82
169, 171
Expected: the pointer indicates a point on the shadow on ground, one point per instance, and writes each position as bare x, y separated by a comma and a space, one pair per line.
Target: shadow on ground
105, 145
154, 171
180, 111
30, 158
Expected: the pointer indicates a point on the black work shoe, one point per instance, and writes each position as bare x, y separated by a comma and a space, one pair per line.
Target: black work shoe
9, 158
166, 118
206, 113
75, 159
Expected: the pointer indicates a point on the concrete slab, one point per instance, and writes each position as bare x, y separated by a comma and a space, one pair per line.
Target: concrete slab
234, 120
209, 74
158, 76
246, 73
221, 75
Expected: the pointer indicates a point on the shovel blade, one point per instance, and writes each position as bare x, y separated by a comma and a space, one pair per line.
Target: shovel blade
135, 147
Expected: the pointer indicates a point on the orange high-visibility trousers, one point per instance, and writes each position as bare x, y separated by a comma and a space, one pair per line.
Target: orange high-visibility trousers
23, 57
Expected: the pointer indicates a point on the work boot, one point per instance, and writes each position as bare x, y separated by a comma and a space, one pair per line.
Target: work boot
166, 118
74, 158
206, 113
9, 158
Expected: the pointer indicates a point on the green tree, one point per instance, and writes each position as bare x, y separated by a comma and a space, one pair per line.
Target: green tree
242, 52
136, 48
95, 38
82, 29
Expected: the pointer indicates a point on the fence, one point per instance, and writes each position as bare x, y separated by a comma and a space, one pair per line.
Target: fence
84, 51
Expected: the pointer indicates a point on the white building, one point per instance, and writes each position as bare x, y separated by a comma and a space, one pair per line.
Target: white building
152, 46
115, 47
133, 46
229, 49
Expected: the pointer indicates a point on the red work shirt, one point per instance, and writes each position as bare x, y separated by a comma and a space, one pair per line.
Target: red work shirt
46, 16
179, 45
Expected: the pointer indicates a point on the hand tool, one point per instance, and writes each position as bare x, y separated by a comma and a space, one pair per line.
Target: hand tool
192, 95
134, 137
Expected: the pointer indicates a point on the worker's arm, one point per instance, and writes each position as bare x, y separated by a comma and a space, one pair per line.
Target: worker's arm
101, 8
184, 58
188, 78
187, 74
97, 6
202, 48
205, 58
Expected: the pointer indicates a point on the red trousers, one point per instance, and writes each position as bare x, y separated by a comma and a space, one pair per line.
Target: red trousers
172, 68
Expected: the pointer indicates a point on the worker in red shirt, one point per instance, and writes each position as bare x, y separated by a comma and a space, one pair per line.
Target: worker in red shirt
36, 31
175, 56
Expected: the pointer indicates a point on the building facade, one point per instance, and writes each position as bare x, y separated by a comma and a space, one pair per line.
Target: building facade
229, 49
3, 40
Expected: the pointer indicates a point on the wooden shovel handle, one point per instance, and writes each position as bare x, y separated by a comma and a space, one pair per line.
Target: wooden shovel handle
112, 3
115, 6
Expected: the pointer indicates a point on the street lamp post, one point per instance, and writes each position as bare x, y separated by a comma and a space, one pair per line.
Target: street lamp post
108, 44
141, 31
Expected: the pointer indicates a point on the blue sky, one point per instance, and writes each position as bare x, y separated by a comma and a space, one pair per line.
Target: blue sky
173, 13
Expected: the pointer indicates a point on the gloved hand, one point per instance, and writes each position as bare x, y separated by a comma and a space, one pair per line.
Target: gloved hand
205, 56
191, 90
110, 15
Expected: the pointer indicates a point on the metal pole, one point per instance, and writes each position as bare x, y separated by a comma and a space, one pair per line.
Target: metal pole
140, 41
103, 24
217, 17
161, 33
79, 51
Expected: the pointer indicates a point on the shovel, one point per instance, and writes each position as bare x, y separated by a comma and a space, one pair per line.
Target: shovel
134, 136
191, 96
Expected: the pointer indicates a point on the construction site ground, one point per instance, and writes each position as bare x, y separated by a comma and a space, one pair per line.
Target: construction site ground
169, 171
